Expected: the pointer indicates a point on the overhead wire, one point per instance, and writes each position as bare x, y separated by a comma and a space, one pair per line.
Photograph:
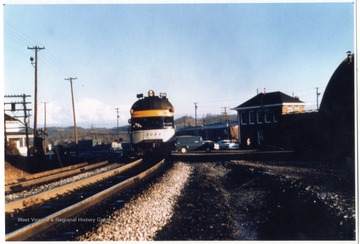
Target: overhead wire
46, 56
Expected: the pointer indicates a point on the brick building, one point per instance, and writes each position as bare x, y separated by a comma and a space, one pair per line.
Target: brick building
258, 117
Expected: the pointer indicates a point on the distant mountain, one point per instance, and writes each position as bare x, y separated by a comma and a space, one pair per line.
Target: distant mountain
103, 135
187, 121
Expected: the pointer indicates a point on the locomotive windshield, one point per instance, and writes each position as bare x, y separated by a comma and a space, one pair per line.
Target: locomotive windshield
152, 123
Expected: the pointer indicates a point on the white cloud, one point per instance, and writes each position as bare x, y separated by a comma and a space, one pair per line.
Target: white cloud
89, 111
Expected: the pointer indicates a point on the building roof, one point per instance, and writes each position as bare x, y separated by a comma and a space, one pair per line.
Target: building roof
271, 98
9, 118
339, 93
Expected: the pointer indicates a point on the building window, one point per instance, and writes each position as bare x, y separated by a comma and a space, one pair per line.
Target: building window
22, 142
260, 137
244, 118
260, 116
251, 117
268, 116
289, 109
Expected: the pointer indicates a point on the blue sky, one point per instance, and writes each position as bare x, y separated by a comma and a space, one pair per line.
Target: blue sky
217, 55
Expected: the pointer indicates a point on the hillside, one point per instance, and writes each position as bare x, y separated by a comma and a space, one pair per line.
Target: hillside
186, 121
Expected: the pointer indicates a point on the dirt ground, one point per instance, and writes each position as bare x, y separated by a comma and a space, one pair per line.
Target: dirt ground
12, 172
242, 200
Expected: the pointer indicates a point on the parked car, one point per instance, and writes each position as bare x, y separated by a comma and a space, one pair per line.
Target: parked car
209, 145
226, 144
222, 144
191, 143
234, 146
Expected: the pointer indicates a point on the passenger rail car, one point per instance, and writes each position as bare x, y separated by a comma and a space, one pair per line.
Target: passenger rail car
152, 124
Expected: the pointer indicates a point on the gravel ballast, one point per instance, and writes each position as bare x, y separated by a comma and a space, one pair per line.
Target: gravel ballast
242, 200
146, 214
237, 201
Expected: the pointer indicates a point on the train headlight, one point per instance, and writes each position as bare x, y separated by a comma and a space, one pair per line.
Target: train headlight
131, 111
151, 93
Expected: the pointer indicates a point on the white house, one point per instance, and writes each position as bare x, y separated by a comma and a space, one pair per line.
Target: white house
15, 132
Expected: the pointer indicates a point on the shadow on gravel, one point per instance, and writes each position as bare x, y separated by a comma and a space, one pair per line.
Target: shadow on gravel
201, 213
294, 214
287, 211
224, 201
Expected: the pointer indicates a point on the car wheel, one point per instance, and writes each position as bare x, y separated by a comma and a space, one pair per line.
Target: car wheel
183, 150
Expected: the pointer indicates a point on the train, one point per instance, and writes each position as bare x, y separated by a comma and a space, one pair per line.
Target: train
152, 128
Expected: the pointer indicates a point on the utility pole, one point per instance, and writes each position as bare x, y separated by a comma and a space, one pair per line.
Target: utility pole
25, 116
44, 129
317, 97
36, 48
26, 126
73, 106
195, 114
227, 122
196, 117
117, 124
93, 133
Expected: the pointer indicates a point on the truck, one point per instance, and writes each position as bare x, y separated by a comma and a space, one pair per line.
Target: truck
191, 143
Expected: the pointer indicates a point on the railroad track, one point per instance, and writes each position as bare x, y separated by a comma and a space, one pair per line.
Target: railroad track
49, 176
64, 202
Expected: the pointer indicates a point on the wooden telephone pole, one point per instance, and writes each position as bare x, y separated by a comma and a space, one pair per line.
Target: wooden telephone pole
36, 48
73, 106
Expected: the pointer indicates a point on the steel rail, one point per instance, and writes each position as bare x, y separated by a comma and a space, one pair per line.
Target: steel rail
41, 197
52, 177
47, 222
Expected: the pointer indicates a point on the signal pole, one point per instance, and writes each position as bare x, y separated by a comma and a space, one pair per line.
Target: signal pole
317, 97
73, 106
36, 48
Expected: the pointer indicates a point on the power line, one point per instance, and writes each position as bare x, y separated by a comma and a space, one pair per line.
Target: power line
20, 35
14, 37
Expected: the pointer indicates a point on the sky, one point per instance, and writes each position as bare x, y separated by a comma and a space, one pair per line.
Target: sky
217, 55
